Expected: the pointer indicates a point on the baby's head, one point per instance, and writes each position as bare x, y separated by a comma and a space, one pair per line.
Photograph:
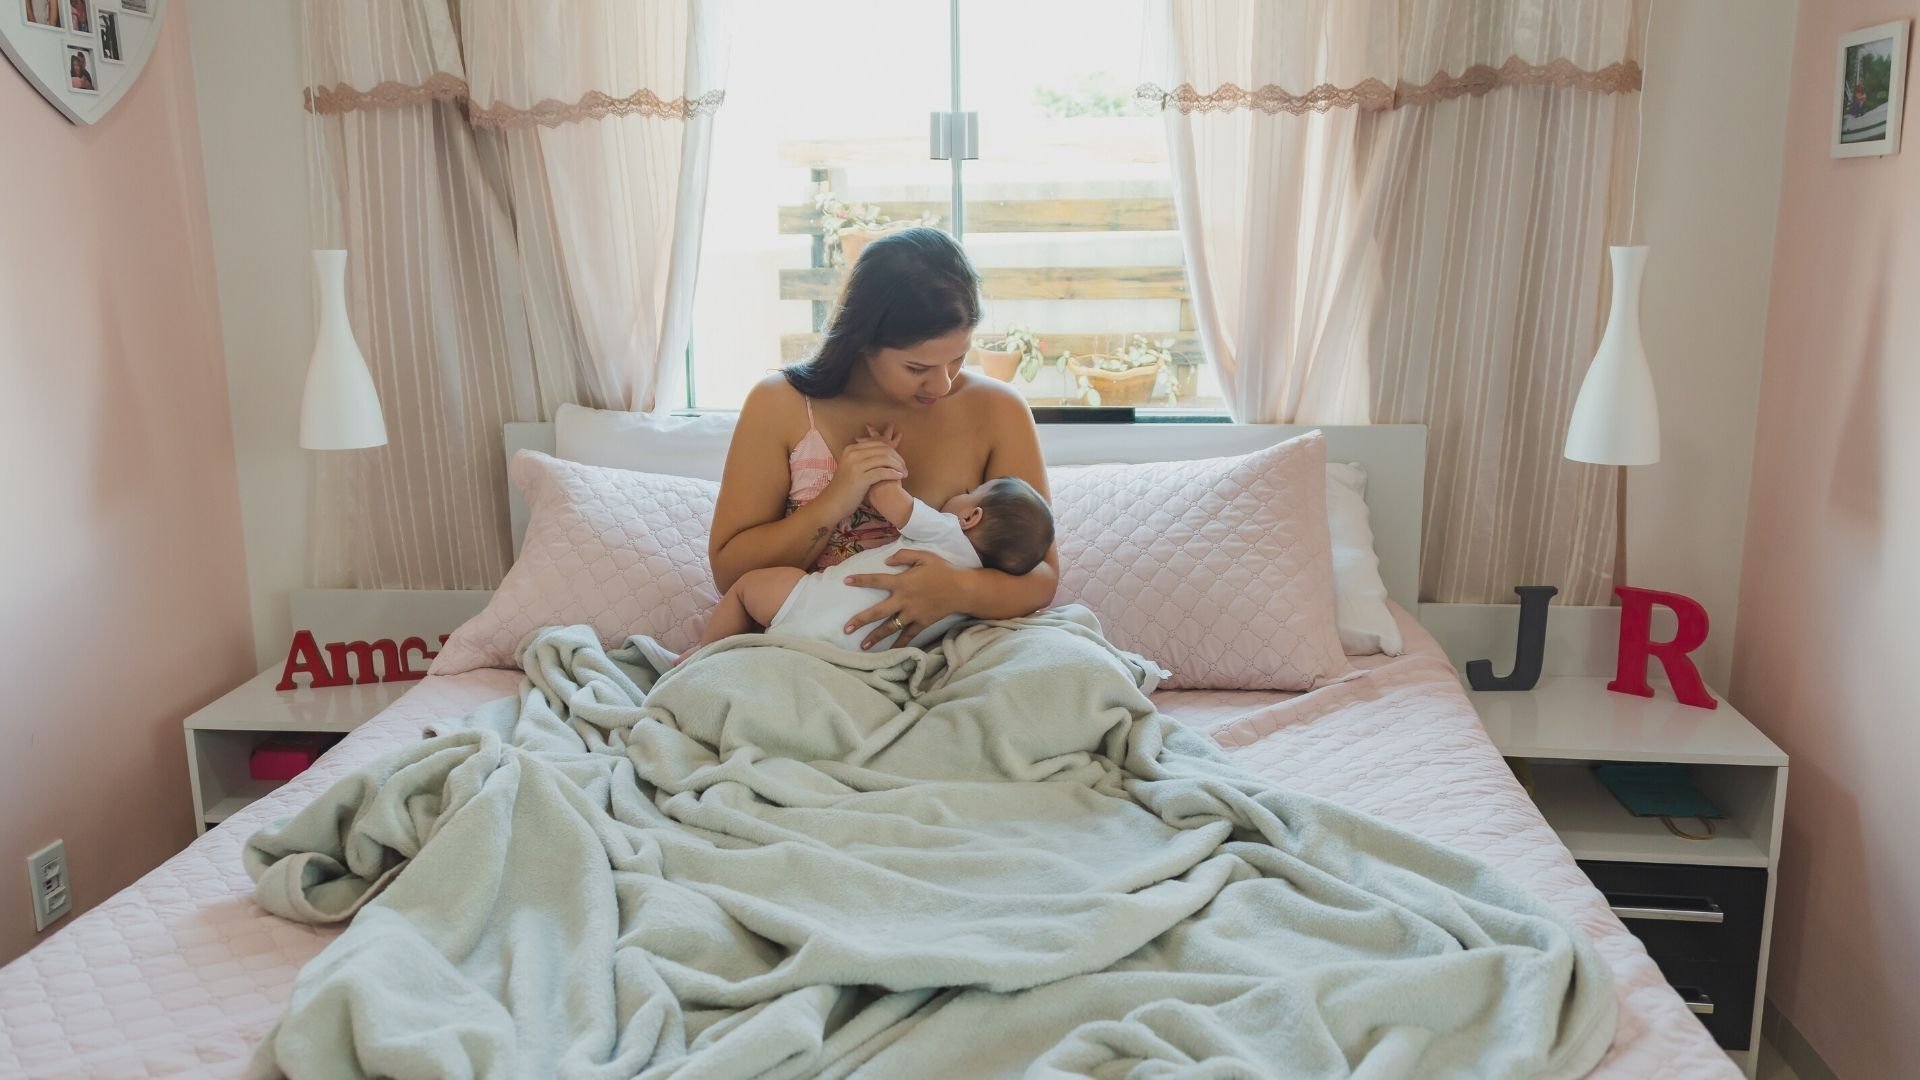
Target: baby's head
1007, 522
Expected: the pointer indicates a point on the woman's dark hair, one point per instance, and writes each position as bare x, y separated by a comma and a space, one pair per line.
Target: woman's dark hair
905, 288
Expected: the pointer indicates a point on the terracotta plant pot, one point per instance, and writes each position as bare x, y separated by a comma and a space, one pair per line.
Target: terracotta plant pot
997, 363
1133, 387
854, 241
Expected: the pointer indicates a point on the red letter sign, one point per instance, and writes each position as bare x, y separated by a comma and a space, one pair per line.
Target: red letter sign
1637, 644
336, 667
340, 652
407, 649
305, 656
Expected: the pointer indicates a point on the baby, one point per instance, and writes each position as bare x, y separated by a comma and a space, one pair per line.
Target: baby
1003, 524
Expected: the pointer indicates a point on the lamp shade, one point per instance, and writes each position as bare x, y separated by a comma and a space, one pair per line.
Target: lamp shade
340, 409
1616, 418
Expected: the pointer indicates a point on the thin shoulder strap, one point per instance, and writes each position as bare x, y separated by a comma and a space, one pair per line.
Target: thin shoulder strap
809, 401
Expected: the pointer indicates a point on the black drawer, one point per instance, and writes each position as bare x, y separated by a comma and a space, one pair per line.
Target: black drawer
1701, 925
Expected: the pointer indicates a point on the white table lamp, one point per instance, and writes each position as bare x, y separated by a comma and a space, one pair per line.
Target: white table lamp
1616, 418
340, 409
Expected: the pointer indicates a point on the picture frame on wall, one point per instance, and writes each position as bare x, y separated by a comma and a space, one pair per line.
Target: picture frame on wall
1870, 86
46, 14
83, 75
83, 71
109, 36
137, 7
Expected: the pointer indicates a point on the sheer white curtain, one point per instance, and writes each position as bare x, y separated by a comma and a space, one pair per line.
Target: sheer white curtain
1397, 211
520, 187
617, 102
1276, 217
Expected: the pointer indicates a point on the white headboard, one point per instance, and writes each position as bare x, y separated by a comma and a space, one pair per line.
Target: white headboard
1394, 455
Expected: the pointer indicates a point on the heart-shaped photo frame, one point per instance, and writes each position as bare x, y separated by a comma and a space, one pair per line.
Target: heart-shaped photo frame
81, 55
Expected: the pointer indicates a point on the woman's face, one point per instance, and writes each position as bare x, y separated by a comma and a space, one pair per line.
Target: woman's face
922, 374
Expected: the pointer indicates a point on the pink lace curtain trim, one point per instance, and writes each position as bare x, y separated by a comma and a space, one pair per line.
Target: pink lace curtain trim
1376, 96
594, 105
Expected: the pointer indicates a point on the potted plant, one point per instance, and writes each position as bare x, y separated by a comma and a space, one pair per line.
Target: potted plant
1018, 352
1125, 378
848, 228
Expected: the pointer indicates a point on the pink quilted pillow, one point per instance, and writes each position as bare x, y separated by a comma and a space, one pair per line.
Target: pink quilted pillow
623, 551
1220, 569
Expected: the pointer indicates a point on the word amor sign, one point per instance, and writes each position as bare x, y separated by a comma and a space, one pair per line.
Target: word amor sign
342, 662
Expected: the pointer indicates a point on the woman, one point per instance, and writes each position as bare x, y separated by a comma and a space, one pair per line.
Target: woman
793, 493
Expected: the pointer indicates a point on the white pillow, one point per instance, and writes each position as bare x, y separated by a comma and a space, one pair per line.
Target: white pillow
691, 446
1366, 622
696, 446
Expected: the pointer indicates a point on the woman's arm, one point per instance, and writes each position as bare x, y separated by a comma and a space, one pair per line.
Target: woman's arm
1016, 452
750, 526
930, 588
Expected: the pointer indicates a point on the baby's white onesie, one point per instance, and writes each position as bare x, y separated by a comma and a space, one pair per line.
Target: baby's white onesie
820, 605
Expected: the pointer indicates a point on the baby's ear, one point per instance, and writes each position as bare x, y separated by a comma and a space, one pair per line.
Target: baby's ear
972, 517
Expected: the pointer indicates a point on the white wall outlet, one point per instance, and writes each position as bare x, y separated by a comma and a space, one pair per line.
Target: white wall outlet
52, 892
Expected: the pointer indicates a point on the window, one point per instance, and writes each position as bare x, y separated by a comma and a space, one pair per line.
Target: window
1067, 211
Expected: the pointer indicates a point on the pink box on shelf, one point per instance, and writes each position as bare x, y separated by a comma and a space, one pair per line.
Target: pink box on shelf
285, 757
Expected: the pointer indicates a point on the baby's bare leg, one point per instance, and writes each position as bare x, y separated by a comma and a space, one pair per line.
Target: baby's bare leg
729, 618
763, 591
751, 604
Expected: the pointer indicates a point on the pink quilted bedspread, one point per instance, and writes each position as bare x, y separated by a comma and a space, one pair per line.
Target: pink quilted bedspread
180, 974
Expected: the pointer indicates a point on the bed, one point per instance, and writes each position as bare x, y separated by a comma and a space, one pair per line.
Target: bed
181, 974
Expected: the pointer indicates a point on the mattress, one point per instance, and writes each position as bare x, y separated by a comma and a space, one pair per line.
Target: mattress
181, 975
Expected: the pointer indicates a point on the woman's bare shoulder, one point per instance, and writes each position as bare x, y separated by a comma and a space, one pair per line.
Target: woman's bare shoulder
774, 414
995, 419
773, 397
773, 405
986, 397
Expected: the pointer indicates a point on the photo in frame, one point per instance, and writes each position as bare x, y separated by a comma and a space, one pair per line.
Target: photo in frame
80, 17
83, 74
109, 36
137, 7
46, 14
1870, 83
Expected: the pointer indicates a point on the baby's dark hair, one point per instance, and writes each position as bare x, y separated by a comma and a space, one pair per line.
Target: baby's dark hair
1017, 527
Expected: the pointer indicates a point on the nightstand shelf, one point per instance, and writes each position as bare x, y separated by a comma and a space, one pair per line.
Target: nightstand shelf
1704, 908
221, 737
249, 792
1593, 825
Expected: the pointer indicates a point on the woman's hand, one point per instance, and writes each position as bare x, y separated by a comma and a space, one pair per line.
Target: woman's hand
862, 465
928, 590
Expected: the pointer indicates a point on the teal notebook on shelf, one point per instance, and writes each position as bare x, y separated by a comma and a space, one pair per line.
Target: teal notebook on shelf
1656, 791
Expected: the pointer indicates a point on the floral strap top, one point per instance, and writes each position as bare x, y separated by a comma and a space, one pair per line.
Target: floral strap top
811, 467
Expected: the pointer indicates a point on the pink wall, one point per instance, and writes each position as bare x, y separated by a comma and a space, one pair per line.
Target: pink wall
123, 602
1830, 596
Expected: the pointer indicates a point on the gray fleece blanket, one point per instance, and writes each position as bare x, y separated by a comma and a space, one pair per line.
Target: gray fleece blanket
991, 859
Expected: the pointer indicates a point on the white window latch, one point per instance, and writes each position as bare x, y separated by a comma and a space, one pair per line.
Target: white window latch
953, 134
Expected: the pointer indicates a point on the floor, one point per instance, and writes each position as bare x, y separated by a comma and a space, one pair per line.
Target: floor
1772, 1065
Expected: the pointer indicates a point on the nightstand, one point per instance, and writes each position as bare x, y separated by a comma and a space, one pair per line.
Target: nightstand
1703, 908
221, 736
